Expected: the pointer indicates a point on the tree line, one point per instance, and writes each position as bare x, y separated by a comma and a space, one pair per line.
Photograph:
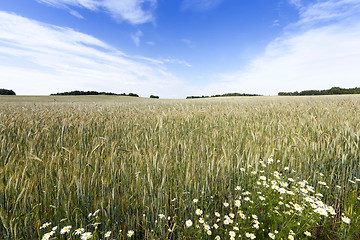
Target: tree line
81, 93
331, 91
225, 95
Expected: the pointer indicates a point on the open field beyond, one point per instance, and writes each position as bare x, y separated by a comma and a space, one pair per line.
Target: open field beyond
264, 167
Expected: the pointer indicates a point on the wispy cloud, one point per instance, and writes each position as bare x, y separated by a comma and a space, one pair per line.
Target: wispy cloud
136, 37
322, 52
276, 23
327, 11
61, 59
133, 11
188, 42
199, 5
177, 61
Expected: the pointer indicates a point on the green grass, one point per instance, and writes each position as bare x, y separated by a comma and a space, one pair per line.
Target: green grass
130, 157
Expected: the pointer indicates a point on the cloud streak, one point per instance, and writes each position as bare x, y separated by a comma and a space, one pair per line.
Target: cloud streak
199, 5
132, 11
61, 59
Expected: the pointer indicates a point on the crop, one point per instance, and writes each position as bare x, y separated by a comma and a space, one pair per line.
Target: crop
145, 169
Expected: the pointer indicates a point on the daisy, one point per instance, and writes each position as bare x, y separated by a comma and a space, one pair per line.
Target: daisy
189, 223
48, 235
332, 212
284, 184
298, 207
232, 234
65, 230
303, 190
79, 231
199, 212
272, 236
130, 233
108, 234
346, 220
86, 236
321, 211
45, 225
307, 233
282, 190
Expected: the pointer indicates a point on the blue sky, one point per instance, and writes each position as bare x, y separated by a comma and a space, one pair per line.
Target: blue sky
176, 48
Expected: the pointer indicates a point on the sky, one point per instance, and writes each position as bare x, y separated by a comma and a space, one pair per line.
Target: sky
178, 48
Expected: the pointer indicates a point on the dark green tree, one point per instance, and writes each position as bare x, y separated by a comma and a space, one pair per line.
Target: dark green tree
6, 92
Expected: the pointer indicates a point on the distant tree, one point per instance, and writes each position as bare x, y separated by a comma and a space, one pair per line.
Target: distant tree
133, 95
310, 92
225, 95
236, 95
194, 97
6, 92
153, 96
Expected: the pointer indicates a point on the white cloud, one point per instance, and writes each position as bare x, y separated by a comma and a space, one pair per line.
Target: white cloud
312, 56
61, 59
330, 10
199, 5
133, 11
136, 37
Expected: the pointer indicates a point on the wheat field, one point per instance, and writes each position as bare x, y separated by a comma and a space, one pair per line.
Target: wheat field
159, 169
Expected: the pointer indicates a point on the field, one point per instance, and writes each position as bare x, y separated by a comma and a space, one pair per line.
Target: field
222, 168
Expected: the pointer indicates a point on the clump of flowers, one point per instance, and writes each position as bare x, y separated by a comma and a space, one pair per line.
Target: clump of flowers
270, 203
83, 233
